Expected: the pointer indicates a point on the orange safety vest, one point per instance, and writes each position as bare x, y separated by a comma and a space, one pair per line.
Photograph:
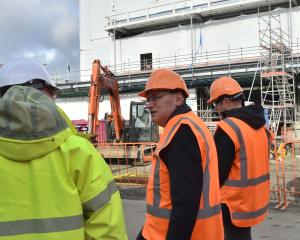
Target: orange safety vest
209, 224
246, 191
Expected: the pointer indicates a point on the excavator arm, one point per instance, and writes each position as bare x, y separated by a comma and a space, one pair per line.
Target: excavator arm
102, 78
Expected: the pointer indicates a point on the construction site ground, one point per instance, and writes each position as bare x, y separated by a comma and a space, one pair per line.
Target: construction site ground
279, 225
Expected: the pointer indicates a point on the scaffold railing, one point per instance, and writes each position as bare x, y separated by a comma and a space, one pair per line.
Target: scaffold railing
184, 61
205, 60
179, 9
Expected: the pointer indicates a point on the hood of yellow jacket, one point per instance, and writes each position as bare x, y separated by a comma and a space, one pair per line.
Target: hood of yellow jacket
30, 124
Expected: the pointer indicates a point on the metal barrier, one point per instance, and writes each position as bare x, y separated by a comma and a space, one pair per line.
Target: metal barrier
287, 169
274, 178
130, 163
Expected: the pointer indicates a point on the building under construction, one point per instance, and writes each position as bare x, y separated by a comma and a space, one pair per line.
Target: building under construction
254, 41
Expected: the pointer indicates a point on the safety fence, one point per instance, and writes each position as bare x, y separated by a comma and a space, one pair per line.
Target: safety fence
130, 163
285, 173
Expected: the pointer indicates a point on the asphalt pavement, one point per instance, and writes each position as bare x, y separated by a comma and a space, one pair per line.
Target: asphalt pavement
279, 225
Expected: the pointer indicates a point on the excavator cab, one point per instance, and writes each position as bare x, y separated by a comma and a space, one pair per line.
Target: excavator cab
140, 128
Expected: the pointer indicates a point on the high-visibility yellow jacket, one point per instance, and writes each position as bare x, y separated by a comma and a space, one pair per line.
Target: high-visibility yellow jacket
54, 184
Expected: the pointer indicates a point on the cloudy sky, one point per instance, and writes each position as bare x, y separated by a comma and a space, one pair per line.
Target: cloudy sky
44, 30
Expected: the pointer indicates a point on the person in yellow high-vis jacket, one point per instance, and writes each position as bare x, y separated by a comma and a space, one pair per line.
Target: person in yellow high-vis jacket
54, 184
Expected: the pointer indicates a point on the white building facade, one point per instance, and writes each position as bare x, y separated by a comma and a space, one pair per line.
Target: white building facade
118, 31
133, 37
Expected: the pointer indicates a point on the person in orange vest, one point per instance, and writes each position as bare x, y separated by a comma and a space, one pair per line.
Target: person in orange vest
183, 195
243, 145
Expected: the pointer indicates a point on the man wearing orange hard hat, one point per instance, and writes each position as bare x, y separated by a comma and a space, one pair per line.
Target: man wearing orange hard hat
183, 199
243, 144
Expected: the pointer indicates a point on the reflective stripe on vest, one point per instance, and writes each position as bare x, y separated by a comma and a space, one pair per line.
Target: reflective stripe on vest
43, 225
166, 213
247, 215
207, 211
101, 199
245, 181
59, 224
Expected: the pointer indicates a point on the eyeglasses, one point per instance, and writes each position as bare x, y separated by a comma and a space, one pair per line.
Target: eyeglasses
156, 97
218, 101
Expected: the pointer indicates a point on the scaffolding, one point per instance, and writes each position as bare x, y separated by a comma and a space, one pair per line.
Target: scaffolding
276, 74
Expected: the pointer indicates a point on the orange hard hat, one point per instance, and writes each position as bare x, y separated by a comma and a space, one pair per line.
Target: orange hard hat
164, 79
223, 86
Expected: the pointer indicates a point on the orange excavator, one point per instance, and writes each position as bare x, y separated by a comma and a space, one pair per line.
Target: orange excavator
137, 129
102, 78
132, 139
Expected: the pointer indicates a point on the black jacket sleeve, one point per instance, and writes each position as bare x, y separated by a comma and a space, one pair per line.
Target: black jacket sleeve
226, 153
183, 159
140, 236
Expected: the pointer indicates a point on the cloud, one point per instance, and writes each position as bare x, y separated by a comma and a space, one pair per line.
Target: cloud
49, 55
44, 30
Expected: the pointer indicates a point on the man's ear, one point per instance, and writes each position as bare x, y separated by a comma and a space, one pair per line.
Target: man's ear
179, 98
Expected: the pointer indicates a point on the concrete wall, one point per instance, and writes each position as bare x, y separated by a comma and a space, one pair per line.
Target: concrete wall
77, 108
